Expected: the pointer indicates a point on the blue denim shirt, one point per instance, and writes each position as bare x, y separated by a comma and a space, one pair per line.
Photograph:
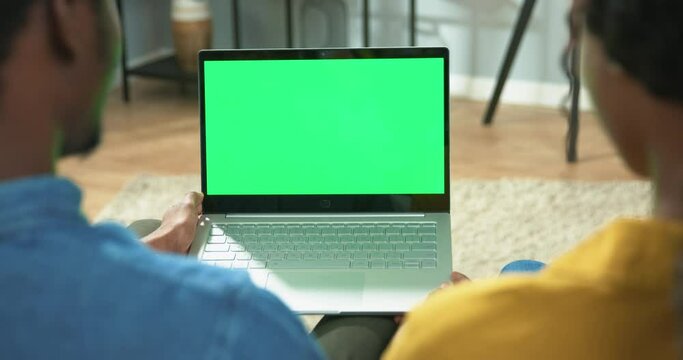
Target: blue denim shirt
70, 290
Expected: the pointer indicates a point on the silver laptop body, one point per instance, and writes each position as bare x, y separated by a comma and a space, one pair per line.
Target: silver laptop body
329, 241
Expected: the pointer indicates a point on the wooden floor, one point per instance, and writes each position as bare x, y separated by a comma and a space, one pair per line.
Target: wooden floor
158, 133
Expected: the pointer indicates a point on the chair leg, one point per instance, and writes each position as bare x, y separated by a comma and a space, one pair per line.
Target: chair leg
366, 23
124, 55
289, 23
236, 24
573, 121
511, 54
413, 21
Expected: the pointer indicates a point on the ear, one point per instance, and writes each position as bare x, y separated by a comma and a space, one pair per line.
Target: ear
64, 19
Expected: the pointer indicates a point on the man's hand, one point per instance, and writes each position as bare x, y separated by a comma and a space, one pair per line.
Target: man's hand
456, 278
178, 226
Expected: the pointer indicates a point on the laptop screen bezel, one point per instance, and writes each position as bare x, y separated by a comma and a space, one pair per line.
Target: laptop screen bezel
325, 203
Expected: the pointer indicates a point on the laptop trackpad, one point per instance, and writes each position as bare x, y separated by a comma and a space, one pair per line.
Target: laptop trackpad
325, 292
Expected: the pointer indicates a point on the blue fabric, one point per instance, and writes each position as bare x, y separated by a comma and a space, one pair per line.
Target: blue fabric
523, 266
69, 290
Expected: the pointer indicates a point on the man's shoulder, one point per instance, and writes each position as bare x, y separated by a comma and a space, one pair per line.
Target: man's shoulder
140, 264
101, 280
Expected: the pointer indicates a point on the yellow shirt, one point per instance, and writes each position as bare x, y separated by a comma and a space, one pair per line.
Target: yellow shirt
617, 296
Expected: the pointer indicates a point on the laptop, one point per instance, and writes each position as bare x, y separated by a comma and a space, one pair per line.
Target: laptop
326, 174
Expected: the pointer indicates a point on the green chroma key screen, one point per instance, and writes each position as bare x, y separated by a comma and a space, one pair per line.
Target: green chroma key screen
325, 127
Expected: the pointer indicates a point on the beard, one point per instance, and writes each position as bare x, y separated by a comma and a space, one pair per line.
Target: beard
84, 140
85, 144
84, 148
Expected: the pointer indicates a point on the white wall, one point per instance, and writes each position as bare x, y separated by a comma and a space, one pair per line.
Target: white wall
476, 31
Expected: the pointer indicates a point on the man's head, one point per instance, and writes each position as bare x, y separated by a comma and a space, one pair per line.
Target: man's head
55, 59
633, 66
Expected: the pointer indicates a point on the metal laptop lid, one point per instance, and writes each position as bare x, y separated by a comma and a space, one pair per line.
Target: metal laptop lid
325, 130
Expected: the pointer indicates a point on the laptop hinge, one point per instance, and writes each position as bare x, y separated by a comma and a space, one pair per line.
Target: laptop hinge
315, 216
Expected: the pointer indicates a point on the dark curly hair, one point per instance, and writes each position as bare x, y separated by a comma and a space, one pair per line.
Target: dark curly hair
12, 18
645, 37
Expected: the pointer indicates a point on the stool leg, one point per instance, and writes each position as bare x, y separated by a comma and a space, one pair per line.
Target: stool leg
236, 24
124, 55
511, 54
573, 121
413, 21
290, 24
366, 23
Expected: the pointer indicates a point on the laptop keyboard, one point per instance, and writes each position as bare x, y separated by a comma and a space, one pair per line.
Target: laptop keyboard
362, 245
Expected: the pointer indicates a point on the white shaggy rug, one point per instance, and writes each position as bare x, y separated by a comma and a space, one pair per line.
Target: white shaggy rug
494, 221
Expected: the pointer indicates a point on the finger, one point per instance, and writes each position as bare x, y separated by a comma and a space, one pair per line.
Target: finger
457, 277
194, 198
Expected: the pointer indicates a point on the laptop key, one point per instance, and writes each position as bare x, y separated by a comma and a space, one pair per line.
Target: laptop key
429, 264
276, 256
402, 247
412, 239
359, 264
269, 247
257, 264
411, 264
227, 264
426, 230
330, 239
424, 246
318, 247
216, 231
346, 239
295, 230
376, 231
243, 256
295, 239
377, 255
420, 255
394, 264
394, 255
310, 256
218, 256
328, 231
315, 239
217, 240
236, 248
361, 231
335, 247
253, 247
294, 256
286, 247
380, 239
343, 255
345, 231
429, 238
216, 247
409, 231
396, 239
360, 255
327, 264
363, 239
240, 264
260, 256
377, 264
353, 247
327, 256
385, 247
303, 247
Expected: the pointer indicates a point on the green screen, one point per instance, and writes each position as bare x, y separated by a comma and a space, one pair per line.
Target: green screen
325, 127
